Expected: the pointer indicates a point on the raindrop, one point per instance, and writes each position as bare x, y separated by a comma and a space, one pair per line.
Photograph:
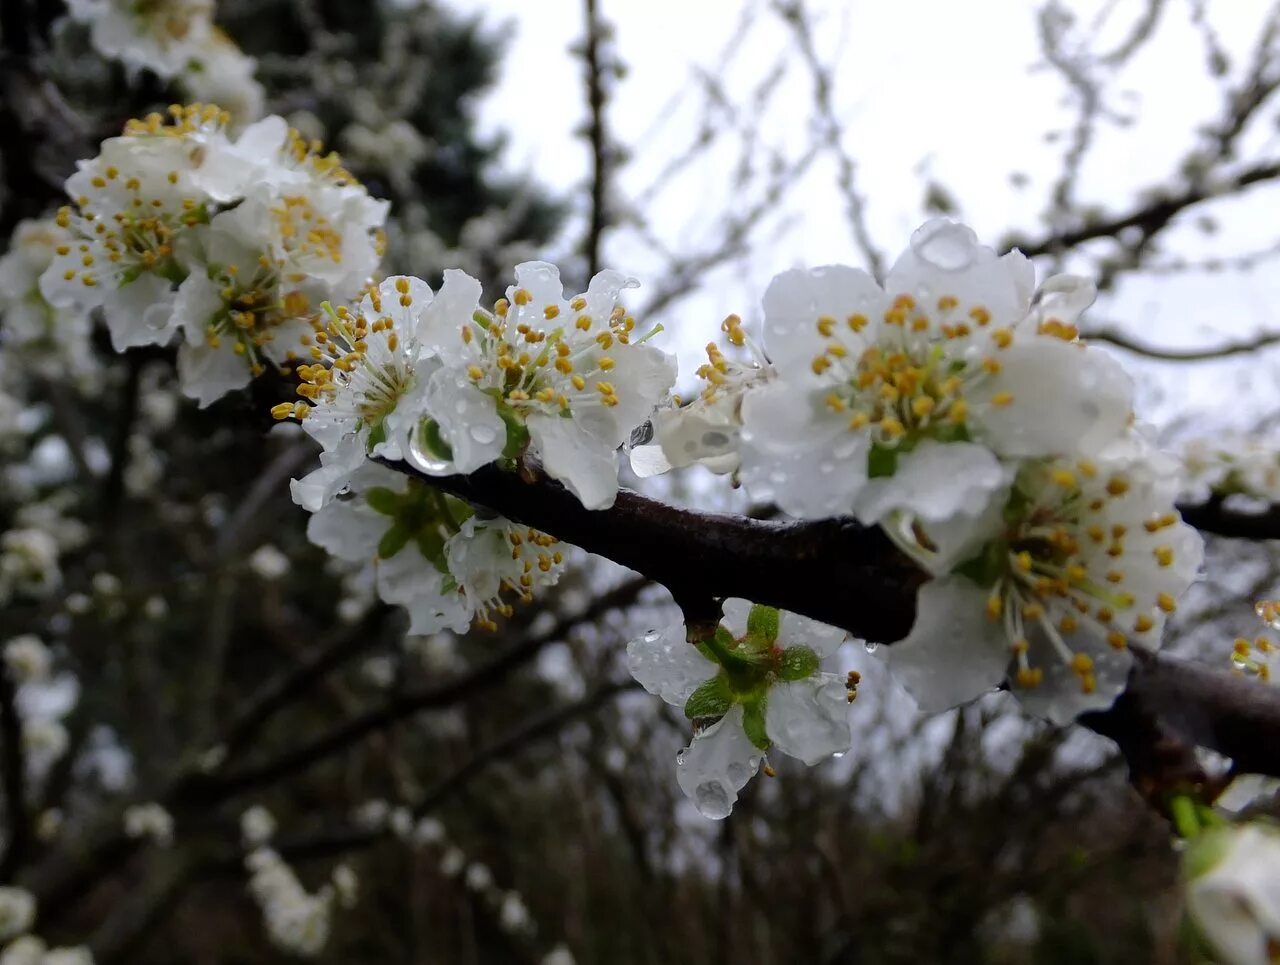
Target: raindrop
483, 434
423, 458
680, 762
945, 245
871, 646
712, 800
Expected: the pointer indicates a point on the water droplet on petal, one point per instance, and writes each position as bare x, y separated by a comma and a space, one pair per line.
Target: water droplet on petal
870, 646
680, 758
483, 434
423, 458
945, 245
651, 636
712, 800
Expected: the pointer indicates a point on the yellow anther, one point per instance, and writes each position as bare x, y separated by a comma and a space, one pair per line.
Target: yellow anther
475, 373
826, 325
1166, 602
1115, 576
980, 315
1082, 663
958, 411
922, 405
1065, 478
1117, 485
1002, 399
1002, 337
857, 322
1029, 677
1143, 623
550, 312
947, 302
1163, 555
523, 296
1068, 623
579, 382
1023, 561
1032, 611
995, 606
1117, 640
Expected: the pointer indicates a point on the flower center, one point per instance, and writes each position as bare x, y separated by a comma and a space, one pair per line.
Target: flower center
913, 381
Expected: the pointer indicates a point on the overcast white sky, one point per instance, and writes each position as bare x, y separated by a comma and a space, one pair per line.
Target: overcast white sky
925, 89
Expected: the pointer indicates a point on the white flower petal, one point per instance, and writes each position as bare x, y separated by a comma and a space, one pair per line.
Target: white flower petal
207, 374
667, 665
141, 312
797, 631
944, 258
468, 418
586, 464
796, 299
1067, 399
410, 580
440, 327
717, 765
954, 653
936, 481
810, 465
1059, 696
809, 719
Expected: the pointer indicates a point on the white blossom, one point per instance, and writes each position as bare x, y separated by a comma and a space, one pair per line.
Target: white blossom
452, 862
560, 955
431, 555
149, 820
905, 399
296, 921
756, 684
478, 877
346, 885
513, 915
28, 563
17, 911
221, 73
1086, 558
1230, 464
569, 377
708, 429
162, 36
1233, 892
268, 562
27, 658
257, 825
428, 831
56, 340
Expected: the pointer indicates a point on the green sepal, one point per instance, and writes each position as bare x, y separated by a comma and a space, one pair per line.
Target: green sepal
377, 436
517, 432
712, 699
881, 462
753, 723
393, 541
762, 624
950, 432
797, 663
988, 566
431, 545
383, 500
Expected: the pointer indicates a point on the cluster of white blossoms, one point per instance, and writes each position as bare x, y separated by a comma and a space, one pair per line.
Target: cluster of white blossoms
177, 227
43, 699
956, 407
17, 916
1231, 465
297, 921
752, 684
177, 41
434, 380
151, 821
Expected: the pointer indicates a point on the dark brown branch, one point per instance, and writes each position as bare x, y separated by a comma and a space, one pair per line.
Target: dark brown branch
851, 577
597, 135
1214, 517
205, 789
1117, 338
1149, 218
833, 570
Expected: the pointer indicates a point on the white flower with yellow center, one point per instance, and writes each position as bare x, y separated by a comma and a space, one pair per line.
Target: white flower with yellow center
708, 429
135, 205
755, 684
54, 339
433, 555
906, 398
568, 377
1254, 658
1233, 891
1231, 464
261, 270
220, 73
364, 363
1085, 559
162, 36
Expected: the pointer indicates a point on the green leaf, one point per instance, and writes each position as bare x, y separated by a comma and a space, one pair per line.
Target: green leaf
383, 500
797, 663
762, 623
881, 462
988, 566
712, 699
753, 723
393, 541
